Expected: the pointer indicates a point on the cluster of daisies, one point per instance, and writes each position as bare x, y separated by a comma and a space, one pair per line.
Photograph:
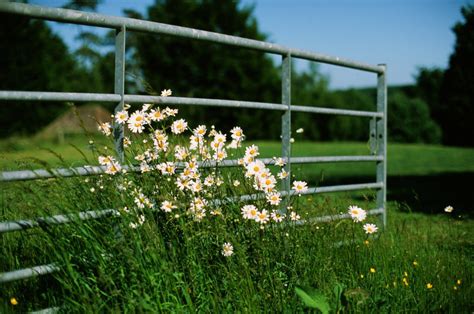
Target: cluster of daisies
155, 131
359, 215
264, 181
181, 164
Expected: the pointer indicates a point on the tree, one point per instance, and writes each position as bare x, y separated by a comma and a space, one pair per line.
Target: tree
310, 88
33, 59
409, 120
457, 91
199, 69
428, 88
83, 5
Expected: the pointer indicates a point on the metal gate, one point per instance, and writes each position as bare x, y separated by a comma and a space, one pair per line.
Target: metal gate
378, 118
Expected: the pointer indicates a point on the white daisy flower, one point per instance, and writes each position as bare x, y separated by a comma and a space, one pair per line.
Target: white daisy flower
249, 212
144, 167
196, 142
282, 174
252, 151
267, 183
220, 155
277, 216
279, 161
113, 168
209, 180
254, 168
274, 198
166, 93
196, 186
182, 183
262, 217
136, 122
237, 133
357, 214
370, 228
300, 187
145, 107
156, 115
167, 206
227, 249
170, 112
105, 128
200, 131
166, 168
179, 126
106, 160
294, 216
180, 153
141, 200
121, 117
448, 209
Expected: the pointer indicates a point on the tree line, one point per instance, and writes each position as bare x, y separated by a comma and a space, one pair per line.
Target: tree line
434, 110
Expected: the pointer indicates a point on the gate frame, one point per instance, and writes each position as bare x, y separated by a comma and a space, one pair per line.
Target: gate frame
378, 121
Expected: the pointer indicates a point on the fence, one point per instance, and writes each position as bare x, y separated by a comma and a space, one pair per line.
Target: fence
378, 118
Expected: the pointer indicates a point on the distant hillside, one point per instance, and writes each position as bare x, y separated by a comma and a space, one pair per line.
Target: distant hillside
75, 120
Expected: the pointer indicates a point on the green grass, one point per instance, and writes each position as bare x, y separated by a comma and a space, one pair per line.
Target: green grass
174, 264
25, 153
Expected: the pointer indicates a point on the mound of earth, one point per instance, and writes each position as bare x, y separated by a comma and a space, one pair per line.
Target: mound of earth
75, 120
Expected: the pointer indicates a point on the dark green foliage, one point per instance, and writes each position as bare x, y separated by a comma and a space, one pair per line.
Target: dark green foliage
198, 69
33, 59
409, 121
82, 4
428, 87
457, 93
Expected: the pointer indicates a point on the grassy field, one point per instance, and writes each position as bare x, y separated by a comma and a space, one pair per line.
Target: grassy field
416, 172
403, 159
420, 263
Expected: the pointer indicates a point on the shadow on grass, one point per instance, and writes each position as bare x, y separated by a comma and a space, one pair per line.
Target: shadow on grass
428, 194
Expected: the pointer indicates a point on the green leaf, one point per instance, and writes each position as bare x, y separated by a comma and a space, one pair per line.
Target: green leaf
313, 298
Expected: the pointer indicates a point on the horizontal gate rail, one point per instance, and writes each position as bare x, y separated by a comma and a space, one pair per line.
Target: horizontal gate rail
345, 112
28, 272
115, 22
327, 159
23, 175
10, 226
330, 218
95, 97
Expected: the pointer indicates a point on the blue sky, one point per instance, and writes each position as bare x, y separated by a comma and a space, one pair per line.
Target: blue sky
404, 34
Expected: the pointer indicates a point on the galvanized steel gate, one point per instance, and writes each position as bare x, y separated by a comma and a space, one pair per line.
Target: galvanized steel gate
378, 121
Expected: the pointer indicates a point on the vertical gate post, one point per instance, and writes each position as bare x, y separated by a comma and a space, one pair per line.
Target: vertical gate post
381, 135
286, 125
119, 88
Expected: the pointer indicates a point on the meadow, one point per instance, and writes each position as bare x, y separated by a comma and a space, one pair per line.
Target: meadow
420, 262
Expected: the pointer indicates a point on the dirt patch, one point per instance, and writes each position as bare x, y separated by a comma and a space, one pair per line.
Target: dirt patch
76, 121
